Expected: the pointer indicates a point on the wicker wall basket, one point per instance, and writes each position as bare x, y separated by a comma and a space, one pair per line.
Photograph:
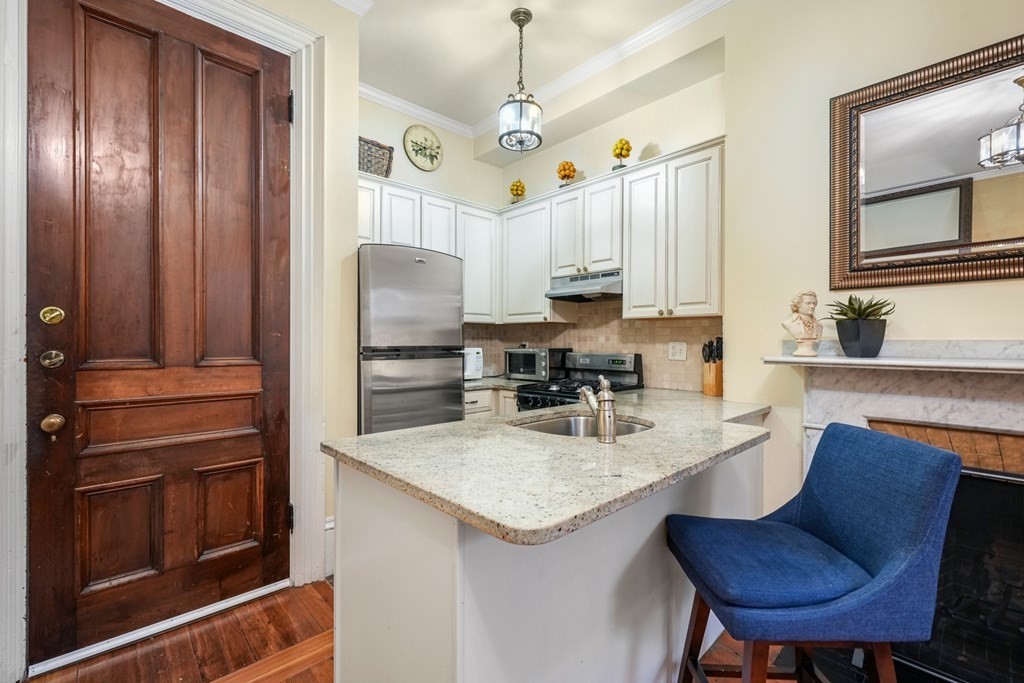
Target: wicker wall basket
375, 158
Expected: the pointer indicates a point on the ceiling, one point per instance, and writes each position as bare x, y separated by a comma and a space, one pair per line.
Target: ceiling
459, 58
934, 137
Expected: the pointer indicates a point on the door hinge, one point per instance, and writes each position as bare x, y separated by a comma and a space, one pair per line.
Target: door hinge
291, 517
291, 106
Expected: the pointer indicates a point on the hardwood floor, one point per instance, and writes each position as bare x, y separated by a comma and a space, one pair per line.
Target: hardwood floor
287, 636
727, 650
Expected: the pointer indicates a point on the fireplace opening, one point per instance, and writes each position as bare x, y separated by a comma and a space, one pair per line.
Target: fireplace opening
978, 631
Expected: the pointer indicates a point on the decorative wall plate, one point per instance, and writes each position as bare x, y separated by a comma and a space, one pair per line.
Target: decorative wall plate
423, 148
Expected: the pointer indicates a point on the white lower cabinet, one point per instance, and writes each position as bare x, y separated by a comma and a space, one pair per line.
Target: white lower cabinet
478, 403
526, 273
506, 404
478, 238
672, 238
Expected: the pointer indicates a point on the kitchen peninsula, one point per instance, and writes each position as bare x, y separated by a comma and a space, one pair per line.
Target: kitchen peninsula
481, 551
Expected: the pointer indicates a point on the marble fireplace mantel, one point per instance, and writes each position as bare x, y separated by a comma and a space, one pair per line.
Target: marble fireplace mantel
969, 384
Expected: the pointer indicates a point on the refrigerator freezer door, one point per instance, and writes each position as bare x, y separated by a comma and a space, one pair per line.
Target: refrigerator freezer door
409, 297
409, 392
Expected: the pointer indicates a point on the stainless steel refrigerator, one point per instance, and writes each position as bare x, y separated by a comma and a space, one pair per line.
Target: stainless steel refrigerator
410, 338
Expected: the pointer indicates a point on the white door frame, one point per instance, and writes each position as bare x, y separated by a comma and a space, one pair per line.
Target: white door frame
307, 409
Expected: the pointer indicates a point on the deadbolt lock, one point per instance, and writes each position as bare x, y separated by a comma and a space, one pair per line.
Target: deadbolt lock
51, 359
51, 424
51, 315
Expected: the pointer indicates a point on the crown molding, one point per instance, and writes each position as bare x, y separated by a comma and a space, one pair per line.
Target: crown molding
382, 98
359, 7
682, 17
250, 21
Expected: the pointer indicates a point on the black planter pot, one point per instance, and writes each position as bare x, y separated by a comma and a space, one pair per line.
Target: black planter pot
861, 338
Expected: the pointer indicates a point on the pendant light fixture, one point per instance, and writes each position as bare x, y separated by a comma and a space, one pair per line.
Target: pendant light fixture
1004, 146
519, 119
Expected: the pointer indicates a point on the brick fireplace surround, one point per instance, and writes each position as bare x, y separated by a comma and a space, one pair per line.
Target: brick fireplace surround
968, 397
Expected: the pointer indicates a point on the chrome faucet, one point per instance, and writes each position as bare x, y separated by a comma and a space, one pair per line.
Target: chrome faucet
603, 406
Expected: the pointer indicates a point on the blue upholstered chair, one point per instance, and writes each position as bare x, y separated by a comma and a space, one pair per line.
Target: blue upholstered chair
851, 561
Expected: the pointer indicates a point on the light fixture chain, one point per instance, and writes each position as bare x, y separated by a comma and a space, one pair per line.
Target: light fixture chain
521, 88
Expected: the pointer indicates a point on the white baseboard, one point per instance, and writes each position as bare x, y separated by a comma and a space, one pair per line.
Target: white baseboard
329, 546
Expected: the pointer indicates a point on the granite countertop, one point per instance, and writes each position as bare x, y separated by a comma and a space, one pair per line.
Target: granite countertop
528, 488
493, 383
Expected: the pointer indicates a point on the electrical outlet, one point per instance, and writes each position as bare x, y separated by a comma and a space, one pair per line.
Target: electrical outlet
677, 350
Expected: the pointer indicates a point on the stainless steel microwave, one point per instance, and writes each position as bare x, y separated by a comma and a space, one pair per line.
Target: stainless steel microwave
538, 365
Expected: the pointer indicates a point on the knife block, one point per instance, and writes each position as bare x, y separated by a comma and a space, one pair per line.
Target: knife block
712, 384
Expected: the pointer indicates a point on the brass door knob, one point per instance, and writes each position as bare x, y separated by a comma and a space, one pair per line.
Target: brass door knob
52, 423
51, 359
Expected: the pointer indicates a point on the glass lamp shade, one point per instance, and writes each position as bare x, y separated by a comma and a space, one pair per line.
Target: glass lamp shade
1003, 146
519, 123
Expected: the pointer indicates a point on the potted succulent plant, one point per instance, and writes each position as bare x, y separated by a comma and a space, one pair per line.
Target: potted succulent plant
861, 324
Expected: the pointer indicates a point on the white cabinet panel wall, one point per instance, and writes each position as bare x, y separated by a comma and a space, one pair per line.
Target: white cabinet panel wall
368, 226
567, 234
694, 240
525, 273
602, 226
438, 224
400, 216
478, 240
644, 243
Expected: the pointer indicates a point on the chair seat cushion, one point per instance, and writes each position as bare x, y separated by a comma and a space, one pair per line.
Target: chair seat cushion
762, 564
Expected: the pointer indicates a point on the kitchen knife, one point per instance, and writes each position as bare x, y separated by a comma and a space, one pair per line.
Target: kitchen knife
706, 352
718, 348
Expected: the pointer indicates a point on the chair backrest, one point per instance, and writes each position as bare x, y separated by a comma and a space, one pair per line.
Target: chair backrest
873, 496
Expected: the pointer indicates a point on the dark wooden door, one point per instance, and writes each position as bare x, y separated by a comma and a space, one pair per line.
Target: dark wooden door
158, 222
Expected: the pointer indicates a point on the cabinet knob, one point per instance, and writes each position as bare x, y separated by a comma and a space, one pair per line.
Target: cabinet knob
584, 269
670, 311
545, 318
578, 270
661, 312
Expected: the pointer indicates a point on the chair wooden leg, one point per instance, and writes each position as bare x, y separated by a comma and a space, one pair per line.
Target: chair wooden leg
804, 669
884, 671
755, 661
694, 638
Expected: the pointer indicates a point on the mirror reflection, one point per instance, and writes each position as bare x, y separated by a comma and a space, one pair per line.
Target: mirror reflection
936, 176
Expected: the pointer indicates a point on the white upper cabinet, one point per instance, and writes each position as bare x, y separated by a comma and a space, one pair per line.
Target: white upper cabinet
368, 229
400, 216
602, 226
694, 239
586, 229
438, 224
526, 272
644, 243
477, 239
672, 238
567, 234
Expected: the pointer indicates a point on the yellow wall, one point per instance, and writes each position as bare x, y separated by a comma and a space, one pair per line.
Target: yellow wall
672, 123
784, 61
996, 214
340, 29
459, 175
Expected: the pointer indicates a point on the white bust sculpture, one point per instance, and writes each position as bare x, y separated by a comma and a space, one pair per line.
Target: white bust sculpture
804, 327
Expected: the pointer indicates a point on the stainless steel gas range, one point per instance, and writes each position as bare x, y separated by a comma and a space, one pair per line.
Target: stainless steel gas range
624, 370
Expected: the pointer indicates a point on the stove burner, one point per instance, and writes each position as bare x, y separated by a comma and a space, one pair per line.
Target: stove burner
568, 386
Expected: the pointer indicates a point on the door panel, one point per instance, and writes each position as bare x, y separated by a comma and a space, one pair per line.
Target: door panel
644, 261
158, 222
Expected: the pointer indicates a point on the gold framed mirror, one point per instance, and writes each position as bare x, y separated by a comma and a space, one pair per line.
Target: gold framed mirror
914, 198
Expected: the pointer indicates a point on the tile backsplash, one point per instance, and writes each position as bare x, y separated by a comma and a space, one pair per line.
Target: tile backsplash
600, 328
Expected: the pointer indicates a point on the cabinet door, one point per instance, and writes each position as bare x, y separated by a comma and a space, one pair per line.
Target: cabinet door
368, 224
526, 275
567, 234
602, 211
437, 230
477, 239
506, 404
694, 234
400, 217
644, 259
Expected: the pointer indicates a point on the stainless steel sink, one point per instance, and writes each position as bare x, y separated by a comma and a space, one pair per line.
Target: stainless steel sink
580, 425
